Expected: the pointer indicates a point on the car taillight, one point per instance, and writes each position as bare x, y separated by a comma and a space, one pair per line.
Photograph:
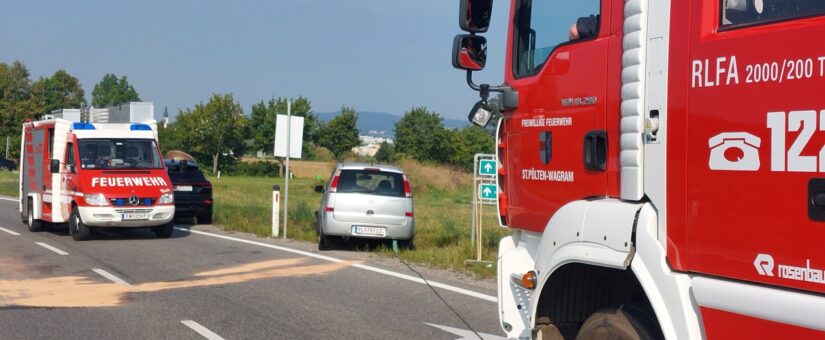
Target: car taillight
333, 186
207, 201
329, 209
409, 214
407, 191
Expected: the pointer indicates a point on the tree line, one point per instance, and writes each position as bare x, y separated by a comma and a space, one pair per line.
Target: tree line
218, 132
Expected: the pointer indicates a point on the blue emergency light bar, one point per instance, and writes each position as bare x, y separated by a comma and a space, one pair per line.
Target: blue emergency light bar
140, 127
83, 126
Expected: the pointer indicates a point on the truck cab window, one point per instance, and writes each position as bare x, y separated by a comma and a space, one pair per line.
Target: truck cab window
737, 13
542, 25
70, 163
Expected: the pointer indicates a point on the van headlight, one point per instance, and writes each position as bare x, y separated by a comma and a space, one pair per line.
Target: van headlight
95, 199
167, 198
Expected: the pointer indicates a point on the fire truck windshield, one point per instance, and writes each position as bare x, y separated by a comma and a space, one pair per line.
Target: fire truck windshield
118, 154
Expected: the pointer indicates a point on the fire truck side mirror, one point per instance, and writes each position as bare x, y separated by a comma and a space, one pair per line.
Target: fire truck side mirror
54, 166
474, 15
480, 114
469, 52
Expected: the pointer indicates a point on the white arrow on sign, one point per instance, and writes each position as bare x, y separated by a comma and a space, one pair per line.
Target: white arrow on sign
488, 167
465, 334
487, 191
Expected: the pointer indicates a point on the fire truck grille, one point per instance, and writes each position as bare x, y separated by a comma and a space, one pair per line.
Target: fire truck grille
135, 211
124, 202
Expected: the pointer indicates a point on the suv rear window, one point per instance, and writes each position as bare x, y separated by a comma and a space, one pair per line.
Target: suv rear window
371, 182
181, 171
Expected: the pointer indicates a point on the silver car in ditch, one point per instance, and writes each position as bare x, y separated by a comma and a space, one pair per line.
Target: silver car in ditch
365, 201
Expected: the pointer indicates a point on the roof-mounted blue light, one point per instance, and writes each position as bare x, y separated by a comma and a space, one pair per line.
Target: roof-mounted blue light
140, 127
83, 126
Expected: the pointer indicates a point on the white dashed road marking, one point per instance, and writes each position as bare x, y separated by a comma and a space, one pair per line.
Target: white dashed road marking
110, 276
9, 231
58, 251
203, 331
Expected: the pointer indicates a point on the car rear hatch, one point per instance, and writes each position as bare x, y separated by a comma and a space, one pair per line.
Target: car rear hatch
189, 183
370, 196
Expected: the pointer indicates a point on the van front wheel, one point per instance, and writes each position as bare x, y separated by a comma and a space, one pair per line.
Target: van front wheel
78, 230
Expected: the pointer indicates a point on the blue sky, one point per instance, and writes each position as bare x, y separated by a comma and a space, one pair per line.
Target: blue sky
374, 55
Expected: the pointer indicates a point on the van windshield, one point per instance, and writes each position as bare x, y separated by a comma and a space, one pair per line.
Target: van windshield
118, 154
374, 182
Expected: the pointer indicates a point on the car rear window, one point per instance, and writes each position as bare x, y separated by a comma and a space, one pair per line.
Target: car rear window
184, 172
371, 182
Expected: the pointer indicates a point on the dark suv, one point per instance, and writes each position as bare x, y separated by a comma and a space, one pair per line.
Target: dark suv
193, 192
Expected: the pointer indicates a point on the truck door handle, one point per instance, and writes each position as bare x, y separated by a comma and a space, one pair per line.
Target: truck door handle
816, 199
595, 150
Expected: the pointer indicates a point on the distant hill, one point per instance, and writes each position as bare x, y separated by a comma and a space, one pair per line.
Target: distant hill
382, 123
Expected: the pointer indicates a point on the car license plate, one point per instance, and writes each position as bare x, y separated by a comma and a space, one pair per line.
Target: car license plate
134, 216
369, 231
183, 188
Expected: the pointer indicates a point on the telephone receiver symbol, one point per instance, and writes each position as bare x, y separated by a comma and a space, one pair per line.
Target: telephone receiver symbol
734, 151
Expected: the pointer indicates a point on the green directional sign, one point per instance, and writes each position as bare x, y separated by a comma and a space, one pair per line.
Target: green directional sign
487, 191
487, 167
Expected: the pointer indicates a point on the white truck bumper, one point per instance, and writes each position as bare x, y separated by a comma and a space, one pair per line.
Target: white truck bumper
127, 217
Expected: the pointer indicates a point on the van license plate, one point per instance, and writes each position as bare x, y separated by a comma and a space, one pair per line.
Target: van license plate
369, 231
134, 216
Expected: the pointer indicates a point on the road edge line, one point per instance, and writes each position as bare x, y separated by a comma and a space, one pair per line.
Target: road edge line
360, 266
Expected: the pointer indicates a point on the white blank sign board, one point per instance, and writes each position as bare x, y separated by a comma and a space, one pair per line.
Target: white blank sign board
296, 136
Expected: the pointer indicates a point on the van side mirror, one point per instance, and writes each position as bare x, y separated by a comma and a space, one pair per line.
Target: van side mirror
469, 52
319, 188
54, 166
474, 15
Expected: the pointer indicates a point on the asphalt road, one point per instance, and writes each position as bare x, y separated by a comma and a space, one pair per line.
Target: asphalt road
204, 283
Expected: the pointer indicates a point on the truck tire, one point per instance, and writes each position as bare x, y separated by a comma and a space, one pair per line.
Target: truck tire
623, 322
78, 229
163, 231
34, 224
546, 330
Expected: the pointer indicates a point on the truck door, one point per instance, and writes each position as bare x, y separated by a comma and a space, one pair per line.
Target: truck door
756, 143
555, 141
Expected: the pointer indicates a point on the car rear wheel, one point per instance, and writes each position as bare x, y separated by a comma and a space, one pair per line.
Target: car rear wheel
163, 231
325, 242
34, 224
205, 218
78, 230
406, 244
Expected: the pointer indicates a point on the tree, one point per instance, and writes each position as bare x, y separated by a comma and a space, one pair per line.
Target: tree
385, 153
59, 91
421, 135
213, 130
264, 117
467, 142
111, 91
340, 134
16, 103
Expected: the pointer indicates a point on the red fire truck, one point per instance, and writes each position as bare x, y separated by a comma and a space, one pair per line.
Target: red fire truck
95, 175
660, 165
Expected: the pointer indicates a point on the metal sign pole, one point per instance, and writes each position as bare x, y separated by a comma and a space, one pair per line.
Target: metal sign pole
288, 152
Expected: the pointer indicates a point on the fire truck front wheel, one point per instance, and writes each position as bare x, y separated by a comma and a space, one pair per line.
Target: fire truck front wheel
163, 231
78, 229
623, 322
34, 224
